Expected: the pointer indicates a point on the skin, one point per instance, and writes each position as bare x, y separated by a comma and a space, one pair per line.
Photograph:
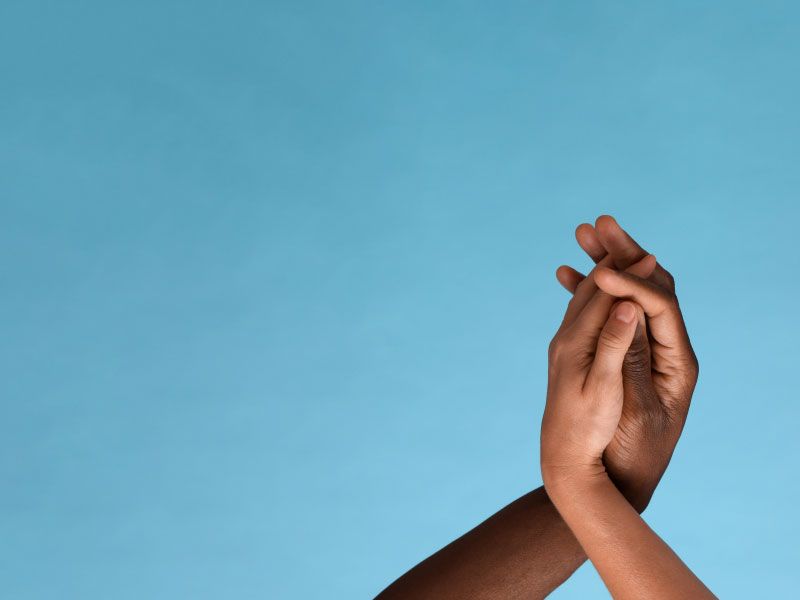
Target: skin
526, 550
584, 405
660, 370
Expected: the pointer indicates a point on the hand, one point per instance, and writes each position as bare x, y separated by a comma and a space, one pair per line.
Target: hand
659, 374
585, 386
527, 550
582, 413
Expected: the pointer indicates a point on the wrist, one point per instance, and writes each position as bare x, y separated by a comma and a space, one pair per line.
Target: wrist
563, 482
636, 481
637, 495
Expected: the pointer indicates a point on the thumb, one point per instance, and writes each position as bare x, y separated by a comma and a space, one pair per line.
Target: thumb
613, 343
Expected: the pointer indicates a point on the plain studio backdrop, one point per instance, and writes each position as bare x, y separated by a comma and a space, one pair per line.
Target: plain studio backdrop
278, 280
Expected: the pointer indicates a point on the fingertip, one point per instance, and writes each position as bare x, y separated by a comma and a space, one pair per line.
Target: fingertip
625, 312
640, 316
582, 230
589, 241
603, 273
648, 264
605, 222
652, 263
569, 278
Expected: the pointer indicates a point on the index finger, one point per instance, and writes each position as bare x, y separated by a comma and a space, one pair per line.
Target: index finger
624, 249
660, 306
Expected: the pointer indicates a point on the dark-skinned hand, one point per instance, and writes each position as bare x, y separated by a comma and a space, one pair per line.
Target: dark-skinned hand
660, 369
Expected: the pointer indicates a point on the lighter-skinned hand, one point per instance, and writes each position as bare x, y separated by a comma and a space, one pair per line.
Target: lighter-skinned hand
660, 368
585, 385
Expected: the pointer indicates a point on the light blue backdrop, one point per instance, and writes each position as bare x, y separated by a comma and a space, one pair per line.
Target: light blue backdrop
278, 279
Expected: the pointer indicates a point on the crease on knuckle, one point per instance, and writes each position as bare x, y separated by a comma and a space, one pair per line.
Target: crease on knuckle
693, 366
612, 339
637, 360
556, 349
667, 302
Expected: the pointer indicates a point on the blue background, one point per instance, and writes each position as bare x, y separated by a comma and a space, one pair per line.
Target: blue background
278, 279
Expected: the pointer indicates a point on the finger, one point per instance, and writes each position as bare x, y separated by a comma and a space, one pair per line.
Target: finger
583, 293
637, 361
625, 250
589, 242
593, 316
617, 242
661, 307
613, 343
569, 278
636, 371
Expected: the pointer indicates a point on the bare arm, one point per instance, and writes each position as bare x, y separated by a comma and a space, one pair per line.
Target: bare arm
523, 551
632, 560
584, 406
526, 550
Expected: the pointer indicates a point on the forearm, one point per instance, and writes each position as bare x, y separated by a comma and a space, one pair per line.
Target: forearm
523, 551
632, 560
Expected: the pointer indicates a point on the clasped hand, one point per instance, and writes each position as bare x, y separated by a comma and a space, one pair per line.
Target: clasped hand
599, 401
585, 386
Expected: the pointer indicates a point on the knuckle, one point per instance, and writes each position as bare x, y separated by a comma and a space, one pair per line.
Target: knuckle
668, 300
664, 279
560, 347
612, 338
693, 366
640, 345
637, 359
556, 349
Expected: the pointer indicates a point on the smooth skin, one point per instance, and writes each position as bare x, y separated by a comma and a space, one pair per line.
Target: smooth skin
660, 370
526, 550
584, 407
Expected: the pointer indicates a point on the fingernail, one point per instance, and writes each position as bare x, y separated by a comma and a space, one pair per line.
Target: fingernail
625, 312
